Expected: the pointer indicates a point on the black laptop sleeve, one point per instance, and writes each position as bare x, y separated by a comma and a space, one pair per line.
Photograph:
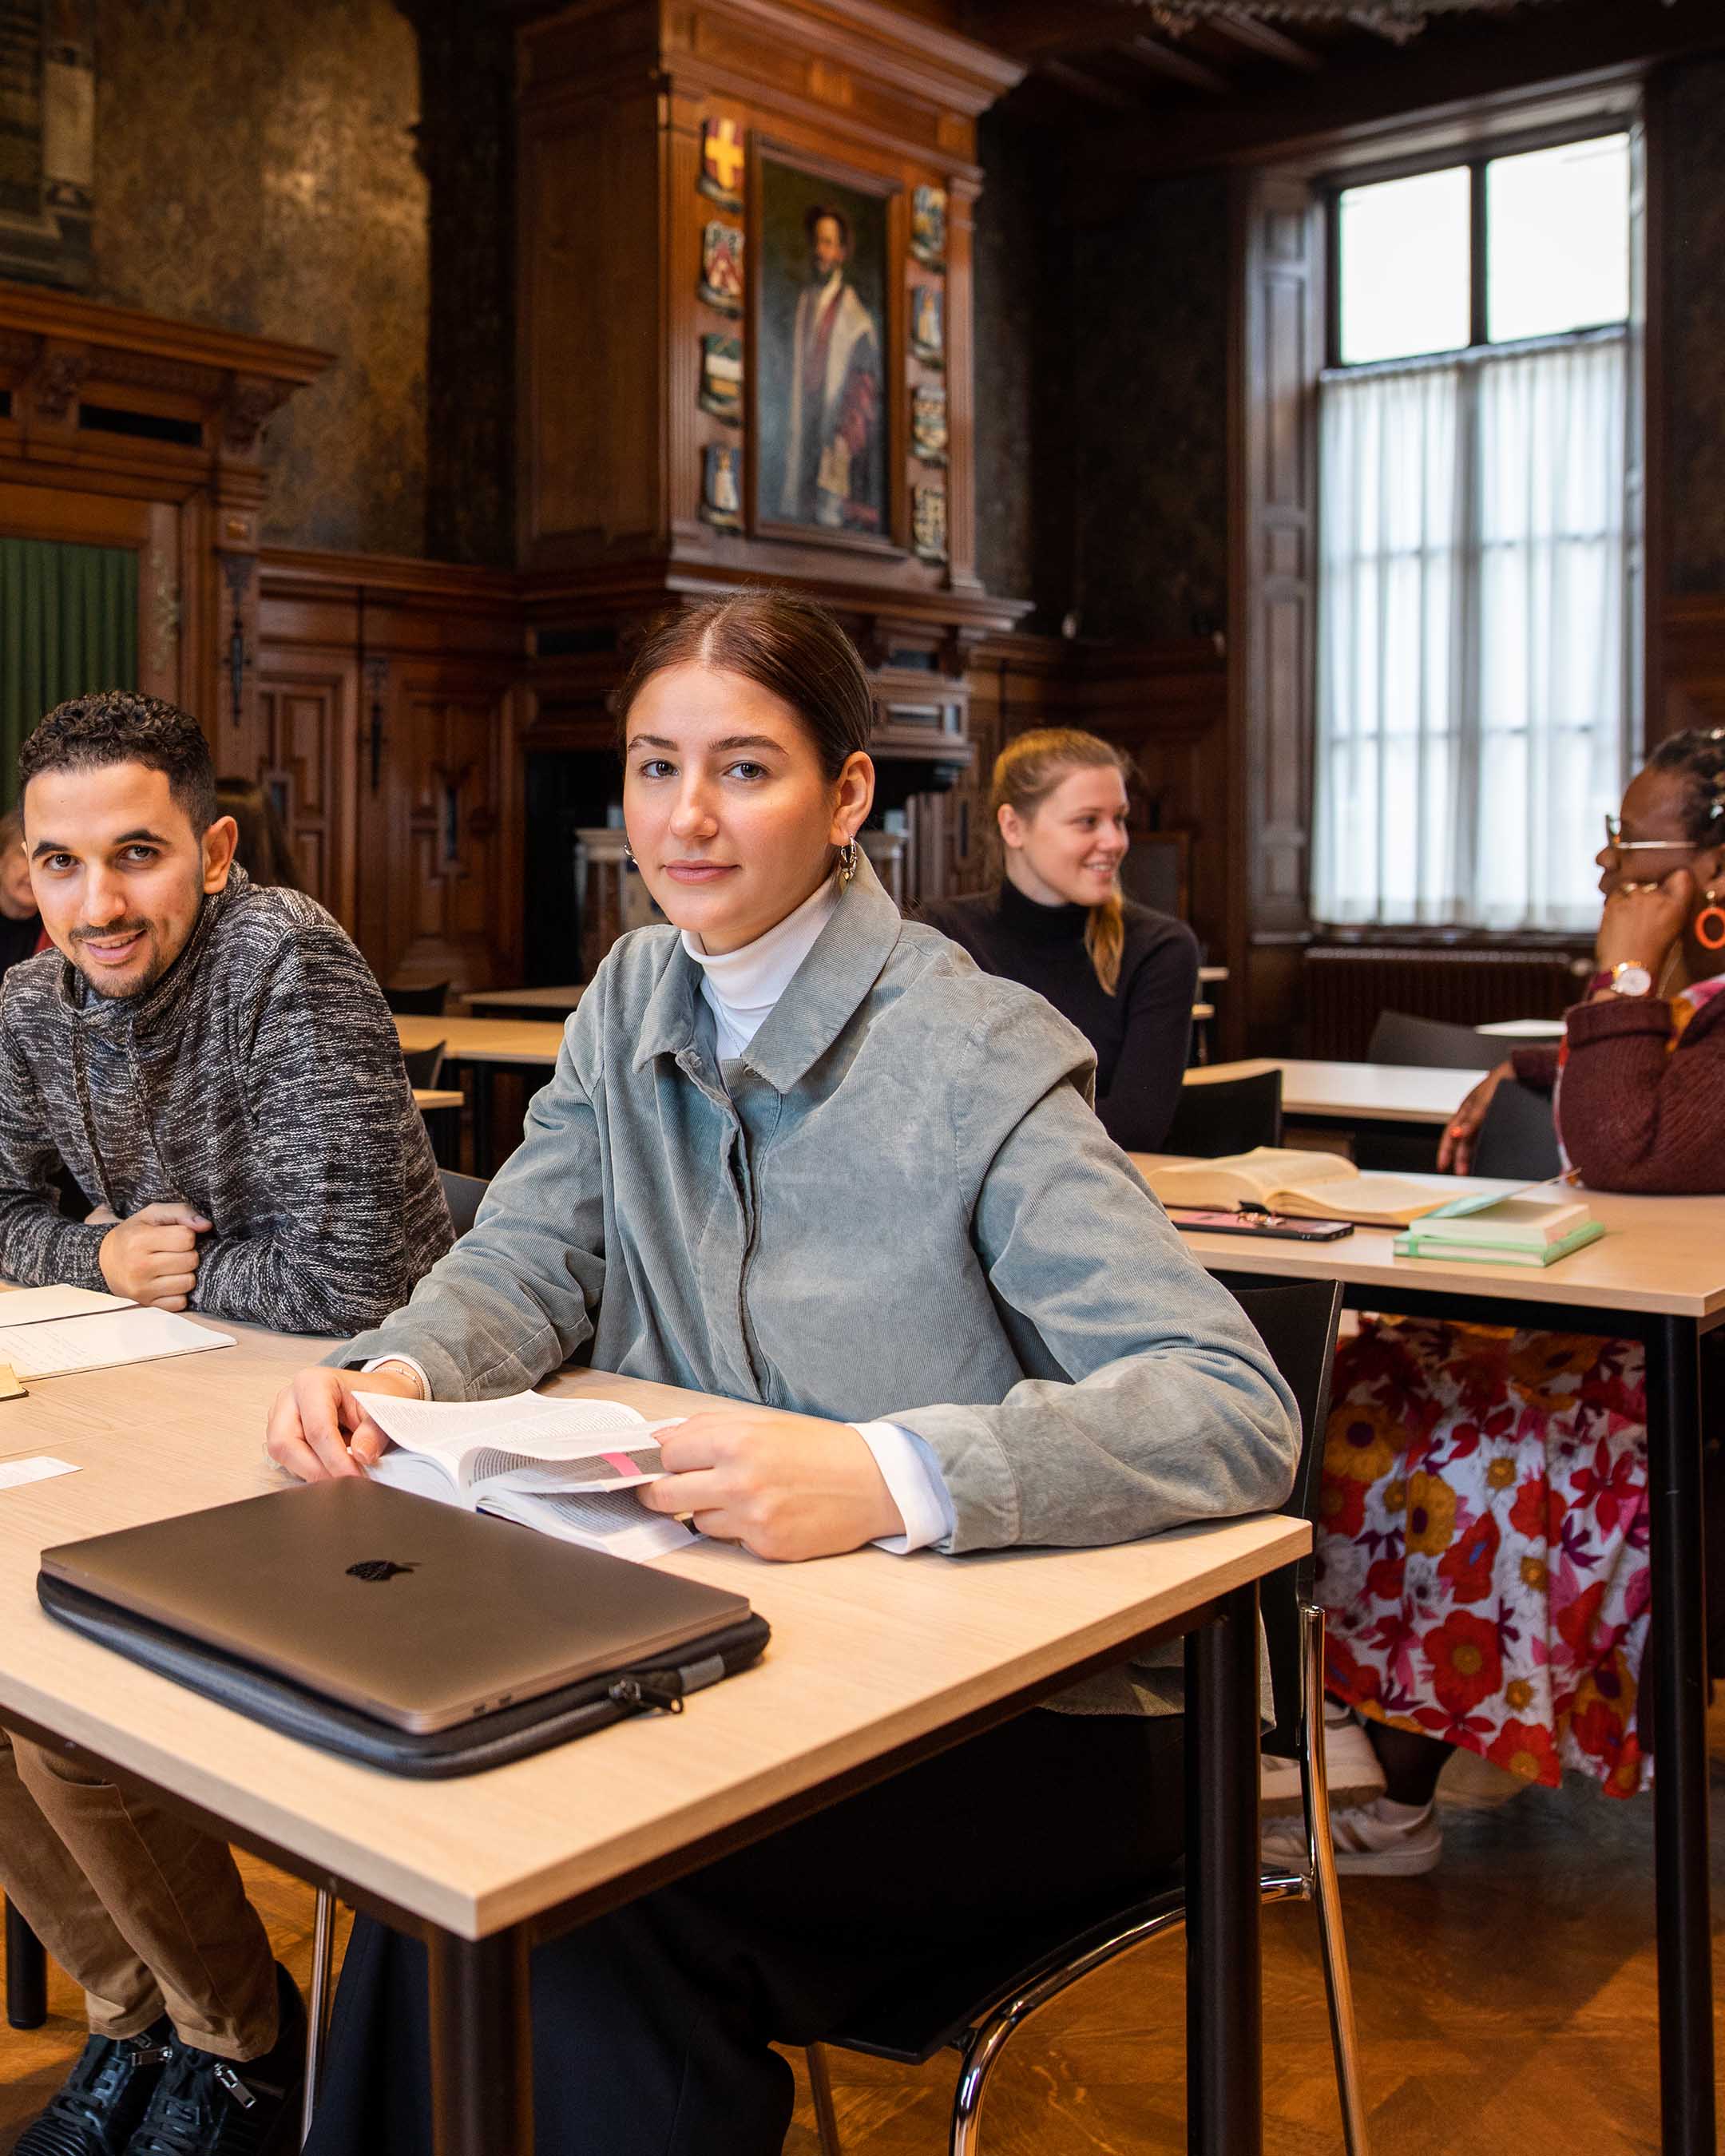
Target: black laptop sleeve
657, 1684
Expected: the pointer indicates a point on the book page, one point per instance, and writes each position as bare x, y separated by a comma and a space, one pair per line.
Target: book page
609, 1521
494, 1468
420, 1475
475, 1439
59, 1347
37, 1305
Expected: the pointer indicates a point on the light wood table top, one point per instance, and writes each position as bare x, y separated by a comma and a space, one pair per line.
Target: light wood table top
438, 1096
563, 1000
1209, 974
1663, 1255
1354, 1093
869, 1652
533, 1044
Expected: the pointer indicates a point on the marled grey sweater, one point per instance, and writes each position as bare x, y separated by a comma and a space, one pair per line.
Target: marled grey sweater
261, 1080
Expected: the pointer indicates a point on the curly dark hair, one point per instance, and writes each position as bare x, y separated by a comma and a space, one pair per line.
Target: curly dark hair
118, 725
1699, 756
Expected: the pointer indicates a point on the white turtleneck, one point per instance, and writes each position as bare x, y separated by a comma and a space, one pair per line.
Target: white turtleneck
742, 988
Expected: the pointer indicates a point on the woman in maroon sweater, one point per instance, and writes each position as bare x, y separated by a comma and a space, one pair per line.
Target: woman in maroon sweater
1483, 1549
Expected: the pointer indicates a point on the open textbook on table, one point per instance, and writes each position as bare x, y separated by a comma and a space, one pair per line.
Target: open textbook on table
567, 1468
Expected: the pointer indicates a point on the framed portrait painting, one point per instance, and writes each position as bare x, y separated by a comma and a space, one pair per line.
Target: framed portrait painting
824, 347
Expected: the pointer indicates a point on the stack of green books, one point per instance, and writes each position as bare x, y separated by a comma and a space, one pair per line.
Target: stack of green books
1518, 1231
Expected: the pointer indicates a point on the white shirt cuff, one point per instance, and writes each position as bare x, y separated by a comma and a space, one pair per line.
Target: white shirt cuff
914, 1484
407, 1362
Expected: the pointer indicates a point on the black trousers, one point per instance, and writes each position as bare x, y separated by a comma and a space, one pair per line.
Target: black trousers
651, 2025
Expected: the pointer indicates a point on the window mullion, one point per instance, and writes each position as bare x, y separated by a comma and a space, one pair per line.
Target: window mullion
1469, 654
1476, 253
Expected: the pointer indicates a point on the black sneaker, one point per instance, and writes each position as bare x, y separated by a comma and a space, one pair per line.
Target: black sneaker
204, 2106
104, 2096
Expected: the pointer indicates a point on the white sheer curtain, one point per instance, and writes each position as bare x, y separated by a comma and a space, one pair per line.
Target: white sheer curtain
1473, 696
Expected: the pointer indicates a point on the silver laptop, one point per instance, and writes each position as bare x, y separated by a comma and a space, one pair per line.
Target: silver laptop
421, 1614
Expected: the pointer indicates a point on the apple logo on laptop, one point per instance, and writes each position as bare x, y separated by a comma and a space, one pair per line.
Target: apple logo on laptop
374, 1569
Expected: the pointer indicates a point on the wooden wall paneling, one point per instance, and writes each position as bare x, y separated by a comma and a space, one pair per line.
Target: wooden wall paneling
592, 244
309, 711
438, 649
961, 194
444, 910
1278, 351
1692, 646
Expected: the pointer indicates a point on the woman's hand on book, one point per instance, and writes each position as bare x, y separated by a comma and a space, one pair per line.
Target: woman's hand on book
1455, 1147
319, 1427
786, 1486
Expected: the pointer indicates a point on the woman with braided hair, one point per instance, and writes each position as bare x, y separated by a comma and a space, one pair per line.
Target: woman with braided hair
1482, 1552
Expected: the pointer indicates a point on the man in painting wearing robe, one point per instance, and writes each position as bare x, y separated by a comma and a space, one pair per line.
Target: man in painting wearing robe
836, 390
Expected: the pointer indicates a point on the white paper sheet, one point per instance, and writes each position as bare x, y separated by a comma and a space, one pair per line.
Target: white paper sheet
15, 1473
37, 1305
58, 1349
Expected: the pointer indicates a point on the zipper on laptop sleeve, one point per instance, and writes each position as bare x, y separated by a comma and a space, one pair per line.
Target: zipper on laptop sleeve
666, 1688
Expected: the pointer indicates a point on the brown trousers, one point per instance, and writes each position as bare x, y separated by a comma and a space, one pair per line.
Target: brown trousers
143, 1909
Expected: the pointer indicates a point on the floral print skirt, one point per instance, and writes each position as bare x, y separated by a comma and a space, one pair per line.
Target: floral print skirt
1482, 1542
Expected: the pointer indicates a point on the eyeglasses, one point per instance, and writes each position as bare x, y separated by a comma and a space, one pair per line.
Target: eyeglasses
1615, 843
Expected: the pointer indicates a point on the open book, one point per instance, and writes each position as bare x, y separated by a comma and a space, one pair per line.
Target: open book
565, 1468
1307, 1186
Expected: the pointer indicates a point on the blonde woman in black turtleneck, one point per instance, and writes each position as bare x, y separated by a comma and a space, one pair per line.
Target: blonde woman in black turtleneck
1125, 976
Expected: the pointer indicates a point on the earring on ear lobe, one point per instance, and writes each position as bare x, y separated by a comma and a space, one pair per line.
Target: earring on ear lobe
1710, 923
848, 856
629, 855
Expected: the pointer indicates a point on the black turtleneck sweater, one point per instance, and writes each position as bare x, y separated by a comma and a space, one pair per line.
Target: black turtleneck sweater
1141, 1034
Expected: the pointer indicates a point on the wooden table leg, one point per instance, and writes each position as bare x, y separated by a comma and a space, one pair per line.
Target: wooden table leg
1224, 2004
481, 2045
1677, 1667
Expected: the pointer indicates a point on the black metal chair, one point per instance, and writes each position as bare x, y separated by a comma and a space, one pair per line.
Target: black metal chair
1428, 1043
1227, 1114
420, 1002
974, 2006
462, 1195
425, 1066
26, 1975
1518, 1137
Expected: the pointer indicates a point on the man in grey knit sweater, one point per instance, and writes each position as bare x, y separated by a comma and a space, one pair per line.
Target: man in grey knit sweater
216, 1066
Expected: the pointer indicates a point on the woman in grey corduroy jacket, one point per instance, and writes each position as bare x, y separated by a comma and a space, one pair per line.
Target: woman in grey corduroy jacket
896, 1206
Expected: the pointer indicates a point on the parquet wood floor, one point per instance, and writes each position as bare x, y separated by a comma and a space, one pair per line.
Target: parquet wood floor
1506, 2004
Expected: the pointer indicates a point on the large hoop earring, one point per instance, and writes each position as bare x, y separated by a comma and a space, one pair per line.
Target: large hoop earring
848, 856
1710, 924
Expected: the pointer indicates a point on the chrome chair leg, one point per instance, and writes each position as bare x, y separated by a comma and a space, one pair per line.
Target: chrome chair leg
991, 2034
323, 1962
820, 2087
1314, 1786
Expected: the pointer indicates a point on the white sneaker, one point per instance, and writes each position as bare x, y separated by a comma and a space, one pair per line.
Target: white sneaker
1395, 1841
1350, 1765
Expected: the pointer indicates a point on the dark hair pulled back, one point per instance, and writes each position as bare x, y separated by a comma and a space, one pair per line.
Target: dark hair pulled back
783, 643
1698, 755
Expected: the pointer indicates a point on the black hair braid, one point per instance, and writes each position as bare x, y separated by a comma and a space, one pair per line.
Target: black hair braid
1698, 754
